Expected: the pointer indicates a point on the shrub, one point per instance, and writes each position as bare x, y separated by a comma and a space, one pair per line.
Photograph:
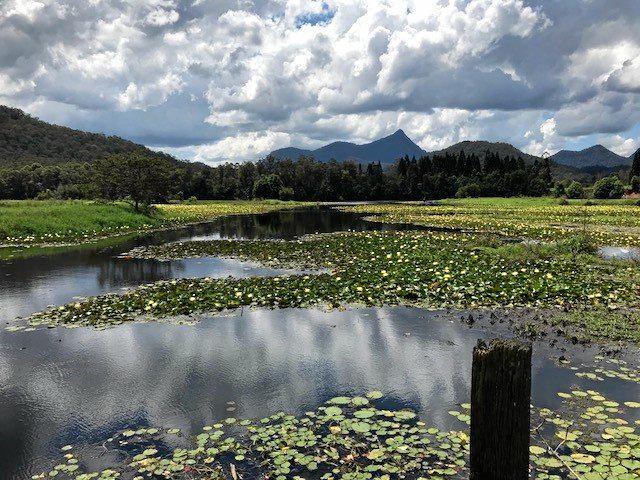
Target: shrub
559, 190
538, 187
609, 187
575, 190
45, 195
286, 193
635, 184
472, 190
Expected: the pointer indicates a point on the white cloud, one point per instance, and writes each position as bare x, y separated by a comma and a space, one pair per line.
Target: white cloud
25, 8
312, 71
161, 17
620, 145
547, 140
627, 77
240, 147
145, 96
9, 86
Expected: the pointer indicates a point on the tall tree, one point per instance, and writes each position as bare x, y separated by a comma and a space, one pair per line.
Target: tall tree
139, 178
635, 166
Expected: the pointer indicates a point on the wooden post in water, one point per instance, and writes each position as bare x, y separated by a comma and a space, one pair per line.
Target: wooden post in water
500, 416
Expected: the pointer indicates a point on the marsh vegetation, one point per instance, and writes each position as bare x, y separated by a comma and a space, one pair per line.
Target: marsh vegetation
474, 261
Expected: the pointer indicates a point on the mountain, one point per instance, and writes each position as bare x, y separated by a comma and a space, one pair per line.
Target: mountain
590, 157
25, 139
480, 147
386, 150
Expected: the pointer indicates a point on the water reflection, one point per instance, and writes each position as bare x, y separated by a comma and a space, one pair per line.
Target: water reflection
63, 386
30, 284
24, 291
620, 253
60, 386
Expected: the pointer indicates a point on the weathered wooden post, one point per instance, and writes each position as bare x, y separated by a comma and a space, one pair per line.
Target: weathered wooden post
500, 416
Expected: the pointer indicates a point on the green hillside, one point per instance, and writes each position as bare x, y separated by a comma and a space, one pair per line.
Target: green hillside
25, 140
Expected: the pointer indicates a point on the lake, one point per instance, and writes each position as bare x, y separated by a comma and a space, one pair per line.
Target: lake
61, 386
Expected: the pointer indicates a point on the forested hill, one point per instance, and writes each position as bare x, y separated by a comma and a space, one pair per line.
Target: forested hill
26, 140
480, 147
591, 157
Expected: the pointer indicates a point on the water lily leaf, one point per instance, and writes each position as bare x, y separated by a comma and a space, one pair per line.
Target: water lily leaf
536, 450
333, 411
376, 454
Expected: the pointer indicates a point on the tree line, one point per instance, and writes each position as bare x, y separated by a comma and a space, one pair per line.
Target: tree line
144, 179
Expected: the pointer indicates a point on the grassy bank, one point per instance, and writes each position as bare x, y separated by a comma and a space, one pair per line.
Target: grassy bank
607, 222
34, 222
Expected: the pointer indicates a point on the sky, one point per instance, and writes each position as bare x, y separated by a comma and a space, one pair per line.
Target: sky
232, 80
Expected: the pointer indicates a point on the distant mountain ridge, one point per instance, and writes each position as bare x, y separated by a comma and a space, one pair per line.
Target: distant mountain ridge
25, 140
388, 149
385, 150
596, 155
480, 147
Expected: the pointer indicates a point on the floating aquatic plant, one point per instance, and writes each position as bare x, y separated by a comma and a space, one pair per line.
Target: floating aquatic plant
430, 269
540, 219
349, 438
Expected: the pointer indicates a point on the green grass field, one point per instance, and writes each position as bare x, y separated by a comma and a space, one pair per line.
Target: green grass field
35, 222
606, 222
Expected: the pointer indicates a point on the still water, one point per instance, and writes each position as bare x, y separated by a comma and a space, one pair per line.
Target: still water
61, 386
620, 253
31, 284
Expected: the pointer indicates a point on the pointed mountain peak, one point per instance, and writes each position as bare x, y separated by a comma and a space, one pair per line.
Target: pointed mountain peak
598, 147
399, 133
384, 150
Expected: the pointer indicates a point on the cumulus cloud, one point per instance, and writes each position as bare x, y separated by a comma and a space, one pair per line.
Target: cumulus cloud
160, 17
149, 94
626, 79
227, 79
621, 145
237, 148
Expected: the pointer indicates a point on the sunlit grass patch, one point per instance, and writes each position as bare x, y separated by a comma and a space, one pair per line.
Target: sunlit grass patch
544, 219
36, 222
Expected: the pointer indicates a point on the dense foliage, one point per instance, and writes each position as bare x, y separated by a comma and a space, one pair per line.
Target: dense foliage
25, 140
634, 173
575, 190
635, 166
609, 187
434, 177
